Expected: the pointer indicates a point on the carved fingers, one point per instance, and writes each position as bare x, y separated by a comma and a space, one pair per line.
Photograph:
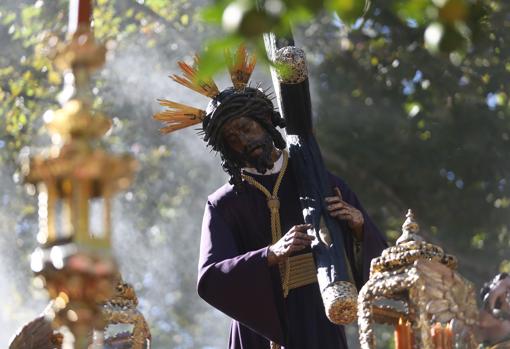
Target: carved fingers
296, 239
340, 209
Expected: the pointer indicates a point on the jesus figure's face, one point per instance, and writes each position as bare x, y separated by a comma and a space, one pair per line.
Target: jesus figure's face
250, 143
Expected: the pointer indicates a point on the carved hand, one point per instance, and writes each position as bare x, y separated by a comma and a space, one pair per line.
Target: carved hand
341, 210
295, 240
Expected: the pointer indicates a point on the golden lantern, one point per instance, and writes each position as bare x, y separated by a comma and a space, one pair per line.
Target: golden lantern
414, 287
76, 180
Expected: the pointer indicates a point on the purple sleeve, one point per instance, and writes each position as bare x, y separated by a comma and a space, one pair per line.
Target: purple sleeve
239, 285
373, 240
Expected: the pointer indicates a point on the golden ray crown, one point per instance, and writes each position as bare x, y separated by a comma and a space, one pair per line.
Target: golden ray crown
178, 116
240, 66
193, 81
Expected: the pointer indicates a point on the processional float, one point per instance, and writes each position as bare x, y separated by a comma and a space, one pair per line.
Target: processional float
76, 180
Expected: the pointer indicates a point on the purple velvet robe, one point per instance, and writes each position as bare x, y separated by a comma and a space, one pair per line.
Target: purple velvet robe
234, 276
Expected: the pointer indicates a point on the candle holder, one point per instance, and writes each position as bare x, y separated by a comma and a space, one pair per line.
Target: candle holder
414, 287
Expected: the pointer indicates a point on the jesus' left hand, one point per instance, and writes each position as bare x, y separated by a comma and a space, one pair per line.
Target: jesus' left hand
340, 209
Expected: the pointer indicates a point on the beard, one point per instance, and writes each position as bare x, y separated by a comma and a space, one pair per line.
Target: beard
263, 160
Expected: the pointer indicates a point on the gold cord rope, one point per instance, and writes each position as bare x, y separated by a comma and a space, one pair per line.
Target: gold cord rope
274, 207
296, 271
276, 229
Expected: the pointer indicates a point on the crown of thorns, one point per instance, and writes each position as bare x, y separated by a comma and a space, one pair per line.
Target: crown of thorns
241, 98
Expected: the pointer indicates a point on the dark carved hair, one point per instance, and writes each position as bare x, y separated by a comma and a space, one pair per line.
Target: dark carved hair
229, 104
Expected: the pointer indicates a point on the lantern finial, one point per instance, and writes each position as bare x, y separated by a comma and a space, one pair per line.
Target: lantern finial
410, 229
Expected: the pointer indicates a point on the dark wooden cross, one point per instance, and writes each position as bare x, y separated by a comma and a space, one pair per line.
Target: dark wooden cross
314, 184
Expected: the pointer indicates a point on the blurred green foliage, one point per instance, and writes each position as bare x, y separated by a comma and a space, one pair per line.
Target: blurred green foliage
446, 25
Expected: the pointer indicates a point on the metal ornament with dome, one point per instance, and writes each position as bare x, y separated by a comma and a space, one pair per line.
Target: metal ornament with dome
414, 286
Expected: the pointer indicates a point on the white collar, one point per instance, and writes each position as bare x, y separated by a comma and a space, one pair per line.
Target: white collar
277, 166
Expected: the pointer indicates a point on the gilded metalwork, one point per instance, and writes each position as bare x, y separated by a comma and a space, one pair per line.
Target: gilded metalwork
240, 66
178, 116
302, 270
290, 62
410, 247
421, 278
81, 50
340, 302
122, 309
191, 79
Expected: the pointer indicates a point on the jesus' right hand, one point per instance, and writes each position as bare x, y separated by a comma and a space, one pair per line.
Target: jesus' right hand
295, 240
